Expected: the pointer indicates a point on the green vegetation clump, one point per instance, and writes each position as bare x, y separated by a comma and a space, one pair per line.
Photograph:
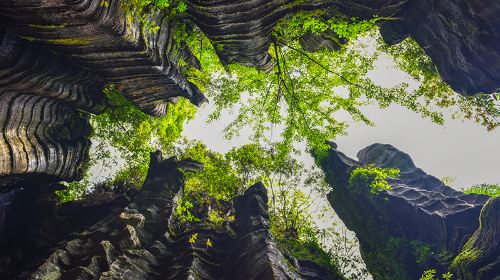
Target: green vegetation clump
310, 251
123, 136
372, 176
226, 176
431, 275
486, 189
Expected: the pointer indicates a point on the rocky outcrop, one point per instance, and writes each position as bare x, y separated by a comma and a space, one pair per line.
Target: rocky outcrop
418, 224
136, 239
105, 40
52, 78
480, 257
43, 122
461, 37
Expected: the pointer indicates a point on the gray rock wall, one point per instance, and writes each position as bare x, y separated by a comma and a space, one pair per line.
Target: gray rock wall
419, 224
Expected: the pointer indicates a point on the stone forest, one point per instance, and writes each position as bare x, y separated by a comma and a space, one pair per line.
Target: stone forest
99, 178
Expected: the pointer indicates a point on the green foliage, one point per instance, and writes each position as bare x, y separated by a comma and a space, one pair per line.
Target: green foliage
422, 251
486, 189
412, 59
217, 180
183, 211
141, 10
309, 251
124, 135
431, 275
217, 218
193, 238
319, 22
73, 191
373, 177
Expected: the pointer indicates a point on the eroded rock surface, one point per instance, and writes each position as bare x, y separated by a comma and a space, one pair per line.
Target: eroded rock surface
419, 224
103, 39
135, 240
480, 257
461, 37
44, 103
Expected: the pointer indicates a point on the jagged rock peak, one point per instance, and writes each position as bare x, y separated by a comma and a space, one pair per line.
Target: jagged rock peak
418, 209
133, 240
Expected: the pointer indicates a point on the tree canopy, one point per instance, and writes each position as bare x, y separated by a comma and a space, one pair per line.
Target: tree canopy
299, 100
306, 91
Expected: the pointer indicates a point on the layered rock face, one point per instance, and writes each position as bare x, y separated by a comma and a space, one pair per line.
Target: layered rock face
132, 240
55, 58
419, 224
102, 38
461, 37
44, 101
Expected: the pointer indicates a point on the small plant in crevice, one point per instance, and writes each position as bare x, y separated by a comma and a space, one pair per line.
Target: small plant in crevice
431, 275
372, 178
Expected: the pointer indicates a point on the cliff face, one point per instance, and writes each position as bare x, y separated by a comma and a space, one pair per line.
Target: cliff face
43, 123
461, 37
419, 224
133, 241
143, 64
480, 257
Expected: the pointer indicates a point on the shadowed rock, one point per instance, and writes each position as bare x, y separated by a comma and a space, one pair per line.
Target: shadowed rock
43, 117
136, 240
461, 37
419, 219
480, 257
143, 64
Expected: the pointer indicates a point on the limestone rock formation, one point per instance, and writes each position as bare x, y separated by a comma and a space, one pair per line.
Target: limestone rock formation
461, 37
419, 224
44, 101
102, 38
243, 29
135, 240
480, 257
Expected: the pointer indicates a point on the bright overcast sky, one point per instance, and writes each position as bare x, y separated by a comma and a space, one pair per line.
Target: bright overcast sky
459, 149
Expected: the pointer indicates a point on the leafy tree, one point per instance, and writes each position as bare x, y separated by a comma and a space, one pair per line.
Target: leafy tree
304, 93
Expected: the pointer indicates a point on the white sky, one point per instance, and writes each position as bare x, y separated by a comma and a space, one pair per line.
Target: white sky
459, 149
